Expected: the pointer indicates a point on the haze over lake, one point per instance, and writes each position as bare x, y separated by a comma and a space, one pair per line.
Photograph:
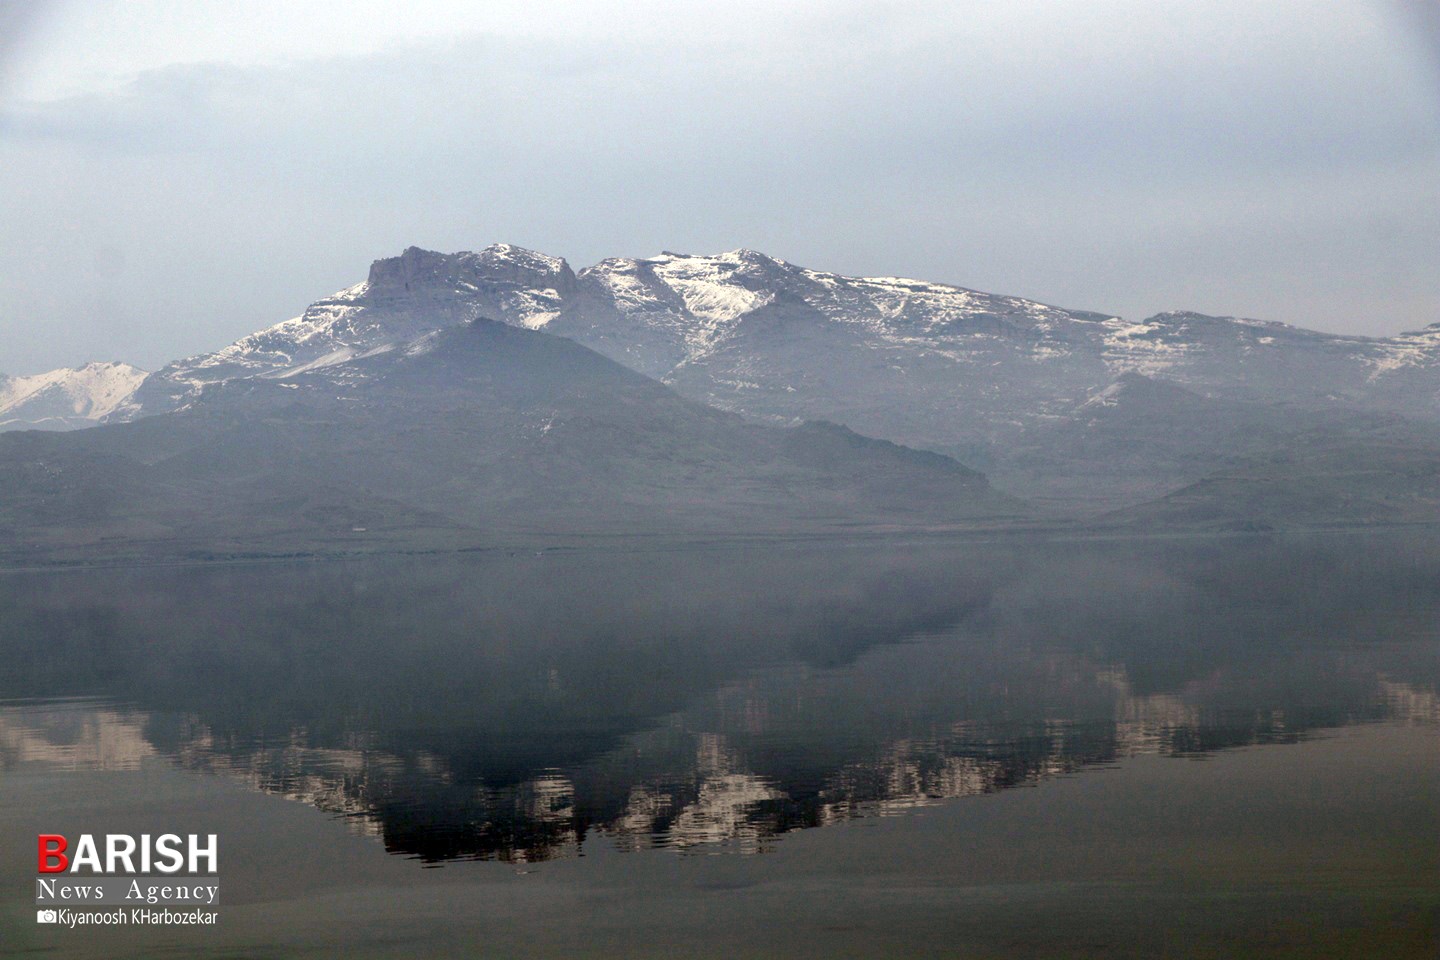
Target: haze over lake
630, 751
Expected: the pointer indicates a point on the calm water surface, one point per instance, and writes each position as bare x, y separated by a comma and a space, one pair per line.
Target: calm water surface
1193, 748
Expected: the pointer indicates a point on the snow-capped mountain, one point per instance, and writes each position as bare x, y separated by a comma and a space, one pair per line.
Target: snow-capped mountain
403, 298
68, 398
927, 364
478, 430
398, 402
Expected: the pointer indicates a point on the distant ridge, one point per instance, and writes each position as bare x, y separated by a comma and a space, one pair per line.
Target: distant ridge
477, 433
928, 364
1082, 410
70, 397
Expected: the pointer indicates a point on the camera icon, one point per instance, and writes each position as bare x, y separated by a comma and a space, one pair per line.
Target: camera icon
46, 916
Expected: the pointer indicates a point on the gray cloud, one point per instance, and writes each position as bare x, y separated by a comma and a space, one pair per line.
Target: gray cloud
1269, 162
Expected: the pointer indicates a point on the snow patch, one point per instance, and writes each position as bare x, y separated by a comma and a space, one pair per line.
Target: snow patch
704, 283
1406, 350
89, 392
532, 309
531, 259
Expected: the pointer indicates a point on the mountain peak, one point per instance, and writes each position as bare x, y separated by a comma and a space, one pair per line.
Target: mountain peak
738, 256
522, 256
752, 334
68, 397
417, 269
412, 264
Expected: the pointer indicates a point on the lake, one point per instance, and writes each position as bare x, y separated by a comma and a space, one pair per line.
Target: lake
1194, 747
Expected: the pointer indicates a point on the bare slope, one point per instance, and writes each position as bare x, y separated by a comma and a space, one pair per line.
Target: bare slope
476, 431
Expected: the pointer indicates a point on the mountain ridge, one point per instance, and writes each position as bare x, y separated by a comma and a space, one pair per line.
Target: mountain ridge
692, 321
1080, 410
68, 398
687, 320
473, 433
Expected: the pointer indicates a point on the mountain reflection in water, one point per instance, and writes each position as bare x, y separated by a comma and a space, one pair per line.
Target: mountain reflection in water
522, 706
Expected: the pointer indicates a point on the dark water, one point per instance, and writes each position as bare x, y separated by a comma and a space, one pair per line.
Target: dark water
1187, 748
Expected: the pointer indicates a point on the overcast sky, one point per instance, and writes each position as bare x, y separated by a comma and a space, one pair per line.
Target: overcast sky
174, 175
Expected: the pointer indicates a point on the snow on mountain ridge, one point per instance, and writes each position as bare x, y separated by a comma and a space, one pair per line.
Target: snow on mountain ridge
68, 397
713, 291
926, 363
701, 298
1417, 350
402, 298
532, 259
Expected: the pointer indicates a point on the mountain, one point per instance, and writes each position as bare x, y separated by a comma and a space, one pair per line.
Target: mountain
1344, 482
925, 364
68, 398
1082, 411
475, 432
1139, 438
403, 298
